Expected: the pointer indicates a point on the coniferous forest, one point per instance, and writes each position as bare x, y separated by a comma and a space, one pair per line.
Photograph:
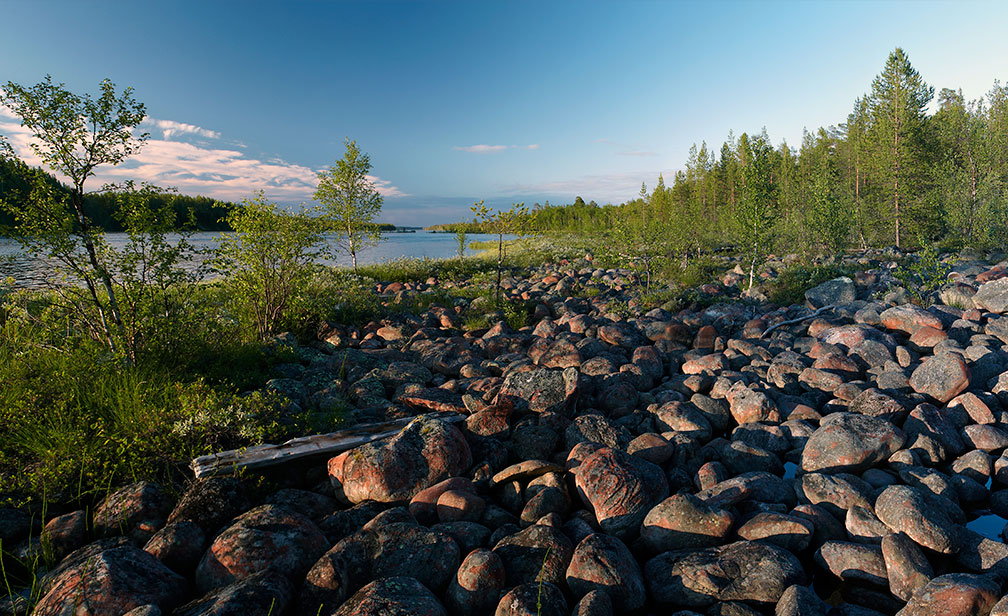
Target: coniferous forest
907, 167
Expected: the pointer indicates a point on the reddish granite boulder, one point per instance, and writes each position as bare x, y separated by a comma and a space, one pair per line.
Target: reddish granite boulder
603, 562
267, 537
850, 442
138, 510
955, 594
392, 596
905, 509
109, 578
683, 521
425, 452
266, 590
478, 583
943, 377
620, 489
908, 318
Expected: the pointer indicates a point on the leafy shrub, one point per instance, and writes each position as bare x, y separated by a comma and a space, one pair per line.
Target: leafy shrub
923, 274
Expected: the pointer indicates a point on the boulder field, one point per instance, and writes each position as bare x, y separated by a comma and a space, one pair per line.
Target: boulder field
736, 460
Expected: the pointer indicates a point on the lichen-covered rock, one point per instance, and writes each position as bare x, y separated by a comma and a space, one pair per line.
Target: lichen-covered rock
906, 566
263, 593
267, 537
858, 562
392, 596
992, 296
846, 442
909, 319
138, 510
540, 391
602, 562
683, 521
832, 292
749, 571
620, 489
423, 453
955, 594
905, 509
537, 553
943, 377
478, 583
178, 545
544, 599
789, 532
211, 503
109, 578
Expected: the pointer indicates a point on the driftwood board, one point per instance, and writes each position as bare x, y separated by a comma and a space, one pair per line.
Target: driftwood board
266, 455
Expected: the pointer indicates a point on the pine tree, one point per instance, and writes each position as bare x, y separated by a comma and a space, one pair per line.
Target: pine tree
896, 105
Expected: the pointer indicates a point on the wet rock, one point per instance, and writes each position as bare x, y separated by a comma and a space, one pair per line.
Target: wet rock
906, 566
260, 593
211, 503
620, 489
392, 596
265, 537
544, 599
850, 442
955, 594
683, 521
478, 583
943, 377
109, 578
749, 571
423, 453
905, 509
602, 562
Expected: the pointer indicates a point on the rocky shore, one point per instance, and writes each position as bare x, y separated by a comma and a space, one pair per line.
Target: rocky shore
846, 456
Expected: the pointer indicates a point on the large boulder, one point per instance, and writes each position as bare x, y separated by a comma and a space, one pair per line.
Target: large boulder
620, 489
109, 578
392, 596
992, 296
847, 442
943, 377
832, 293
748, 571
267, 537
683, 521
266, 589
423, 453
603, 562
540, 391
905, 509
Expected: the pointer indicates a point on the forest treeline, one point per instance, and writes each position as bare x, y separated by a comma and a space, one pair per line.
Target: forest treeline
192, 213
890, 174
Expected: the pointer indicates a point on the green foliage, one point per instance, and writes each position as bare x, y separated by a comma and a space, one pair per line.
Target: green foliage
756, 213
351, 201
830, 215
268, 261
460, 238
513, 221
790, 286
923, 274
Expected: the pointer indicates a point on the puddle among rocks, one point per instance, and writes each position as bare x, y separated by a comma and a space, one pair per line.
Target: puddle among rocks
790, 468
989, 526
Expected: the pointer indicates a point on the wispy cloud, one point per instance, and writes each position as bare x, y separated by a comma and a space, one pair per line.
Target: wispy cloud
220, 172
628, 149
170, 128
612, 188
637, 153
483, 148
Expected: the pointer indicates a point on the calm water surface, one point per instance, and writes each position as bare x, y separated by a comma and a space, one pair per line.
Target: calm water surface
28, 271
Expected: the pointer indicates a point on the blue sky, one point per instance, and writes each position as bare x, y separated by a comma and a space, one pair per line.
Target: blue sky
459, 101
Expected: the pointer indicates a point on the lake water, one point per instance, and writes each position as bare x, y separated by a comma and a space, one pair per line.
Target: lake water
28, 271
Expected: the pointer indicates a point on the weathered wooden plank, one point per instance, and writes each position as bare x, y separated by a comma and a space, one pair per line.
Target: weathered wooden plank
266, 455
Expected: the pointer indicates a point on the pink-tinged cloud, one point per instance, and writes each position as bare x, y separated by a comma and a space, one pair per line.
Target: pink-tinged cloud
195, 169
482, 148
